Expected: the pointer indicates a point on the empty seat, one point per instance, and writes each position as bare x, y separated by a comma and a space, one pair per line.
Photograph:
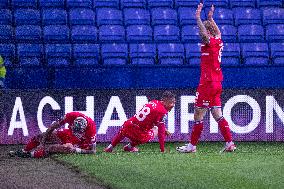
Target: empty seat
166, 33
7, 51
30, 54
273, 16
186, 3
190, 33
231, 54
5, 17
217, 3
78, 3
275, 32
242, 3
133, 3
222, 15
142, 53
6, 34
106, 3
136, 16
171, 53
277, 53
250, 33
56, 33
58, 54
108, 16
229, 33
52, 3
247, 16
192, 53
111, 33
86, 54
82, 16
114, 53
187, 15
54, 17
84, 33
28, 33
24, 3
139, 33
272, 3
4, 4
164, 16
255, 54
27, 17
160, 3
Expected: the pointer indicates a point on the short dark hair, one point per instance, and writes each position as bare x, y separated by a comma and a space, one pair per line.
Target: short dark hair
168, 95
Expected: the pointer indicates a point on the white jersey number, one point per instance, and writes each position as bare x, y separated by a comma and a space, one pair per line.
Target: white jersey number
220, 54
142, 114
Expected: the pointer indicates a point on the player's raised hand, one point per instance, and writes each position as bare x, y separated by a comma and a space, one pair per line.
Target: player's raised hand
168, 133
211, 12
198, 10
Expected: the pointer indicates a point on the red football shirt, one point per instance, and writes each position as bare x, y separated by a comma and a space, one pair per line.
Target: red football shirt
210, 60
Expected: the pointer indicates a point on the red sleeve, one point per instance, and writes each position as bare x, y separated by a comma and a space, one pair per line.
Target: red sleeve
70, 117
161, 135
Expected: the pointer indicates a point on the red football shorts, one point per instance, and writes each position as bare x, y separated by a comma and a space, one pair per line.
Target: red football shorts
208, 95
66, 136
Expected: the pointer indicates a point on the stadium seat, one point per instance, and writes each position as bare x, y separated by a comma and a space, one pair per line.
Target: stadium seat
229, 33
7, 51
255, 54
58, 54
242, 3
273, 16
190, 33
28, 33
222, 15
142, 53
52, 3
86, 34
24, 3
163, 16
216, 3
114, 53
5, 17
192, 53
136, 16
186, 3
110, 33
275, 32
133, 3
277, 53
79, 3
54, 17
139, 33
56, 33
231, 54
86, 54
4, 3
250, 33
160, 3
271, 3
187, 15
163, 33
108, 16
247, 16
30, 54
82, 16
106, 3
6, 34
27, 17
171, 53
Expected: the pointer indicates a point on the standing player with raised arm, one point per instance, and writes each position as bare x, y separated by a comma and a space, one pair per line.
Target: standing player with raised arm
208, 95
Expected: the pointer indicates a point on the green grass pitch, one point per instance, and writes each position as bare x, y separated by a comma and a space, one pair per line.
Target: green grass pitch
254, 165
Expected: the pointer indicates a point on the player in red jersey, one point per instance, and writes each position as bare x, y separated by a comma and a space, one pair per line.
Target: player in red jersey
80, 137
208, 95
139, 129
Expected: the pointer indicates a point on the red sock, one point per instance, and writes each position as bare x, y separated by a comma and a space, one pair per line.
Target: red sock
196, 132
38, 153
225, 129
119, 137
34, 142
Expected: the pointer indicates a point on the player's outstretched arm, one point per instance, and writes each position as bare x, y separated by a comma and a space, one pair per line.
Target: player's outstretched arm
54, 125
161, 135
210, 18
202, 30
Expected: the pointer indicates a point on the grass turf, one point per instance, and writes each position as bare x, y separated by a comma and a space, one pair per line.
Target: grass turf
253, 165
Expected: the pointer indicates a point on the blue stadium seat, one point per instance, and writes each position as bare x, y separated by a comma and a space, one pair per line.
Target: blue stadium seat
27, 17
163, 33
136, 16
142, 53
250, 33
108, 16
277, 53
217, 3
6, 34
255, 54
4, 3
164, 16
28, 33
106, 3
231, 54
82, 16
86, 33
186, 3
52, 3
114, 53
79, 3
24, 3
171, 53
139, 33
247, 16
133, 3
56, 33
86, 54
30, 54
275, 32
229, 33
7, 51
267, 3
187, 15
160, 3
190, 33
58, 54
111, 33
273, 16
54, 17
192, 53
242, 3
5, 17
222, 15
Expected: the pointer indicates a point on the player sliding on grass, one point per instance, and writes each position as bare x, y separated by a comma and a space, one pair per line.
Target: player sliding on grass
208, 95
139, 128
80, 137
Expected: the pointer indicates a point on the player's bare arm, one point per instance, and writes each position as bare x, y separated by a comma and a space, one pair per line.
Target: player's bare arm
202, 30
210, 18
54, 125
